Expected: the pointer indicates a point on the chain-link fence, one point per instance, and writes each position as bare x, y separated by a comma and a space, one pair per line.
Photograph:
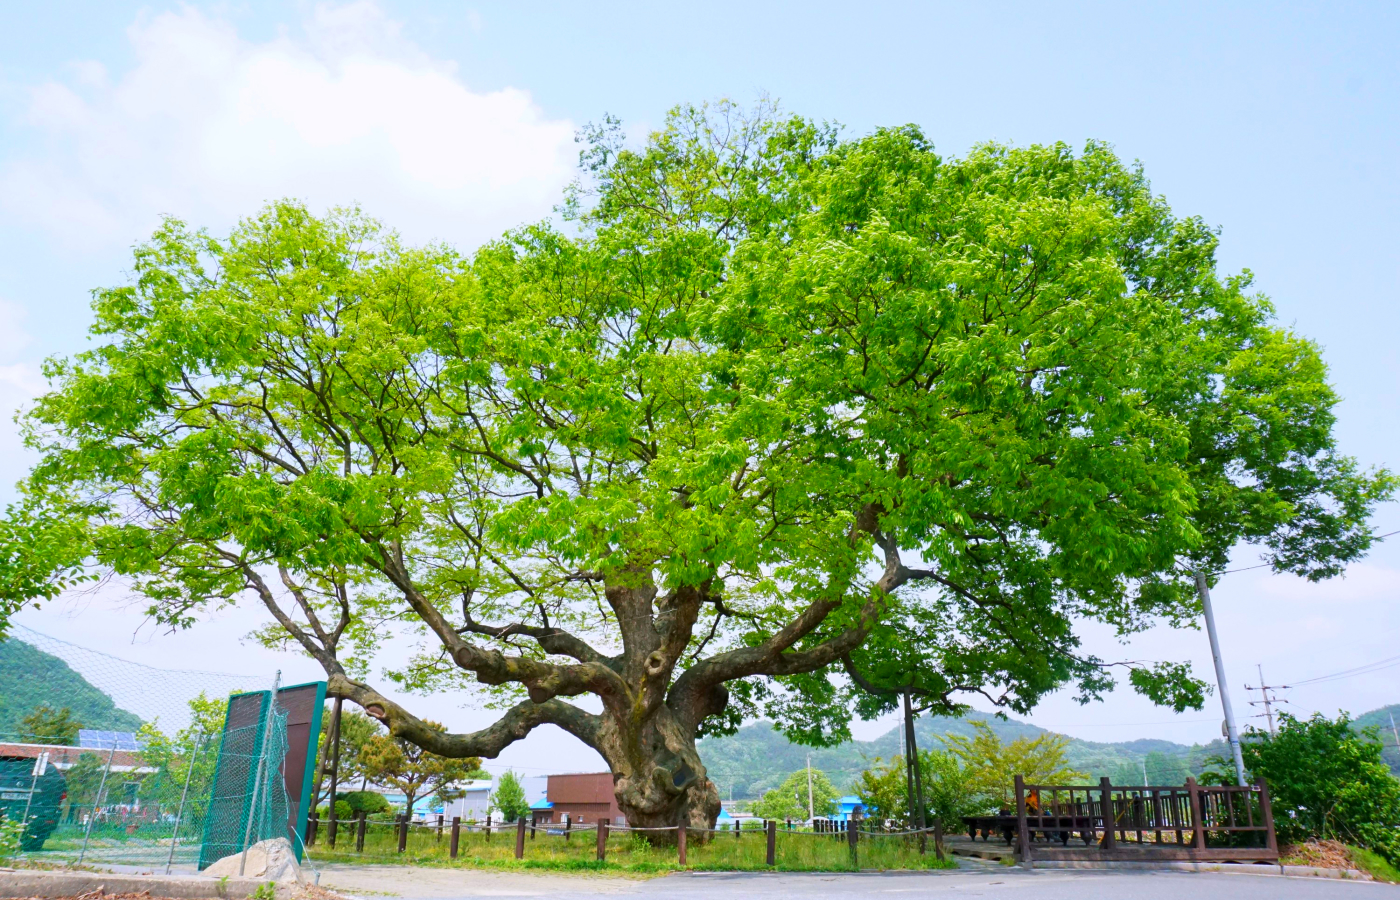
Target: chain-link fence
107, 761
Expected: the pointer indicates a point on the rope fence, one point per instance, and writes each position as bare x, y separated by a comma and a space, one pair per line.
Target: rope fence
526, 839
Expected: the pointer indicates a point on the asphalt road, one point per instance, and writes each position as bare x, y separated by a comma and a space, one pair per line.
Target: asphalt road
974, 880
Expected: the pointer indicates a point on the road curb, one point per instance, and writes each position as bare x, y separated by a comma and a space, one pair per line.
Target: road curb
1268, 869
62, 883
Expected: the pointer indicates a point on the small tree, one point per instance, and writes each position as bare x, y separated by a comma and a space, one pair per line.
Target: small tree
508, 798
46, 725
356, 730
789, 800
949, 793
194, 745
991, 766
883, 788
394, 762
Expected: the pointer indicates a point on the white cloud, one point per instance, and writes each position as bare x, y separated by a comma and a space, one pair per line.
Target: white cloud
209, 126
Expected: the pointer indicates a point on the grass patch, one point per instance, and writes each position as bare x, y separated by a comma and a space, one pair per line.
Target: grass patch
1374, 865
630, 853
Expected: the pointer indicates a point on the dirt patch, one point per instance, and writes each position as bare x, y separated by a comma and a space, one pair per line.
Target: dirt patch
1323, 854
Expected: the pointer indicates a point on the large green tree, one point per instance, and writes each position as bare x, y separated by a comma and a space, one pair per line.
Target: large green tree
772, 395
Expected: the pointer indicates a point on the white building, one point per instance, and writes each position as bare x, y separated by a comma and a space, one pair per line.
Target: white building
476, 797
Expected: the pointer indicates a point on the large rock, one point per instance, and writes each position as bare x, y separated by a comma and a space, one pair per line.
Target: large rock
271, 860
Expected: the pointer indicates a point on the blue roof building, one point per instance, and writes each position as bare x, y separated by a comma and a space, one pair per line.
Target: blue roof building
846, 807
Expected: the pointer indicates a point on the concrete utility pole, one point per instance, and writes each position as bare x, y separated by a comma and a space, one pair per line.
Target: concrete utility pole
810, 816
1394, 730
1231, 731
1268, 701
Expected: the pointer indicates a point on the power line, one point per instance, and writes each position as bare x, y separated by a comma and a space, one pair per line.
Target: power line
1366, 669
1379, 537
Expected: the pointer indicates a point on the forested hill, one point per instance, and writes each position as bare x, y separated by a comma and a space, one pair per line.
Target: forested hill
1384, 721
30, 677
758, 757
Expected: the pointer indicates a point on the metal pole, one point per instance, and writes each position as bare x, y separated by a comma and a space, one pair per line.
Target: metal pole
335, 772
92, 817
1231, 732
42, 762
262, 768
180, 813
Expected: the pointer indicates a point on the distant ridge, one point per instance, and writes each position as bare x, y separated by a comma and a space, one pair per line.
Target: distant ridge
758, 757
29, 677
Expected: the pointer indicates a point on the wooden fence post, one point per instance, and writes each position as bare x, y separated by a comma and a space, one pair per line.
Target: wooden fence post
360, 832
772, 828
937, 839
680, 841
602, 839
403, 832
853, 838
312, 821
439, 828
1023, 834
532, 826
1198, 817
488, 828
520, 838
1270, 839
456, 837
568, 826
1106, 809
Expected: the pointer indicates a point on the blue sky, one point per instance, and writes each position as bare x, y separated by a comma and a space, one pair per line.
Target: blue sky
1276, 123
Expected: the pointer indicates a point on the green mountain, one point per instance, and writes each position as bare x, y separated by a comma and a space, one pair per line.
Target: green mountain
1384, 721
30, 677
758, 757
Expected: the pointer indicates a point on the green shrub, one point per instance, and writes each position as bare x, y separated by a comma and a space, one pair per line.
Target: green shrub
1327, 781
368, 802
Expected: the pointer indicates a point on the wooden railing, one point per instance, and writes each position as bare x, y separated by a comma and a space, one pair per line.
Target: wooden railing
1193, 821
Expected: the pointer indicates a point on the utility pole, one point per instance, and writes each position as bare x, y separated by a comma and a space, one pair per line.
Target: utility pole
810, 815
1231, 732
1268, 701
1395, 731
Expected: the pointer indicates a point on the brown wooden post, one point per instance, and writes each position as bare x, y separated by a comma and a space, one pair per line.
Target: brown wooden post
1106, 810
602, 839
360, 832
772, 828
853, 838
937, 839
403, 832
1023, 834
488, 828
680, 841
456, 839
1270, 839
439, 828
520, 838
568, 826
312, 821
334, 735
737, 828
532, 826
1198, 819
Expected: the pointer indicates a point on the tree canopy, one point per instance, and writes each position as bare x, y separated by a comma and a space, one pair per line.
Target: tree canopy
767, 405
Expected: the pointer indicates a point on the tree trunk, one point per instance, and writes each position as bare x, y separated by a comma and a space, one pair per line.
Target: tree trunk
658, 777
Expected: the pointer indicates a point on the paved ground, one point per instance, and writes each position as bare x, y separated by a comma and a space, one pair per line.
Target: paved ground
973, 880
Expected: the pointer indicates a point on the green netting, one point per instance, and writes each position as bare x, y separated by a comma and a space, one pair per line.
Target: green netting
142, 790
248, 801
